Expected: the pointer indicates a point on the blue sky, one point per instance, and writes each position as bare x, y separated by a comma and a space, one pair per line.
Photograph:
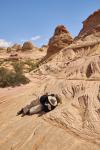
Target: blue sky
36, 19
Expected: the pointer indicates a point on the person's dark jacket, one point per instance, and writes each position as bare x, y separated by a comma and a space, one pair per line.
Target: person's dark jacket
44, 100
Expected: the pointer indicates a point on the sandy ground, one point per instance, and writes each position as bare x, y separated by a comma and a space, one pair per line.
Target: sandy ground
49, 131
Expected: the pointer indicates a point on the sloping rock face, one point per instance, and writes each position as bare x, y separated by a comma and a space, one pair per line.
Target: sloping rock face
60, 39
91, 26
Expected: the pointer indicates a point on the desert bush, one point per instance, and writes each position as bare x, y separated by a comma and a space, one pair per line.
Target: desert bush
33, 65
18, 66
12, 78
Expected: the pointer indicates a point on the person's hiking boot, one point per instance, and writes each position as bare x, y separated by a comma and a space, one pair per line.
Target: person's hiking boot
20, 112
25, 113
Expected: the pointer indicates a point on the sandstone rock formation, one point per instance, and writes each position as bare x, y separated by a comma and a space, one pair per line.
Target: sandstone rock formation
60, 39
91, 26
27, 46
17, 47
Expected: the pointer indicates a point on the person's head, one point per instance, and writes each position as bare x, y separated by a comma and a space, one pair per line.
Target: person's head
58, 97
52, 100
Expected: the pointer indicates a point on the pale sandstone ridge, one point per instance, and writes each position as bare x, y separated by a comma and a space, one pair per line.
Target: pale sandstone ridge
60, 39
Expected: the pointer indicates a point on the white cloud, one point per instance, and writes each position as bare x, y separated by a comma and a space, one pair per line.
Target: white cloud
4, 43
23, 40
35, 38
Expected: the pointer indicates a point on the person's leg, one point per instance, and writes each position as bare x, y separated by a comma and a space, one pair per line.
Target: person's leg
20, 112
25, 110
36, 109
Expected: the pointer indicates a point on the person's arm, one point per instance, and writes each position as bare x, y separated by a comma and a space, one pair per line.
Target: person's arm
48, 106
43, 99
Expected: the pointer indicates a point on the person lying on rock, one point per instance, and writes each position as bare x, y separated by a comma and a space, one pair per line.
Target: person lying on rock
46, 103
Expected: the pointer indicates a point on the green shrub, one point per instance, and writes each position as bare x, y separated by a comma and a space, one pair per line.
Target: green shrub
18, 66
33, 65
12, 78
